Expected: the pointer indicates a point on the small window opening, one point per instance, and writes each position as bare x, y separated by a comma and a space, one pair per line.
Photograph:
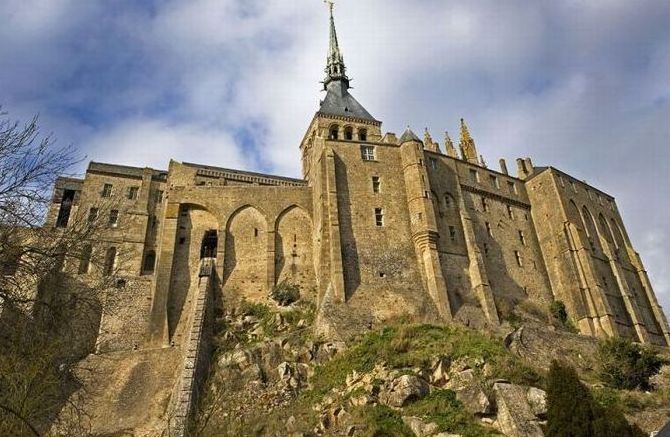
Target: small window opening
85, 261
486, 249
512, 187
382, 274
182, 240
110, 261
106, 190
92, 215
452, 233
447, 201
209, 244
376, 184
333, 133
255, 232
348, 133
474, 176
159, 196
133, 192
485, 204
120, 283
65, 209
522, 238
489, 231
113, 218
519, 260
510, 212
149, 262
368, 153
363, 134
433, 163
379, 217
494, 181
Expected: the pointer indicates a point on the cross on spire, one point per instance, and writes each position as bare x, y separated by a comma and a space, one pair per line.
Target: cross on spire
335, 68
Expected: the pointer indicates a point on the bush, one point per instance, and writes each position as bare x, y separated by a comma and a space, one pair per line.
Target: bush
573, 412
558, 311
626, 365
285, 293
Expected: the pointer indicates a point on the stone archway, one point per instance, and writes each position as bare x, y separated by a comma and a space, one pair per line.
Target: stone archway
245, 267
293, 248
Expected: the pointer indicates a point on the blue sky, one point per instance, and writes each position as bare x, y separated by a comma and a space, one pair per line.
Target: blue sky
583, 85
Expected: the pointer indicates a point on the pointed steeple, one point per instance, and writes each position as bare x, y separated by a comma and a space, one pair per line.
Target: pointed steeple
338, 101
335, 68
467, 145
449, 146
409, 136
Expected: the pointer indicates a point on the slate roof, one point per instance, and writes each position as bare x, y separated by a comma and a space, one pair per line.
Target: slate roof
339, 102
409, 136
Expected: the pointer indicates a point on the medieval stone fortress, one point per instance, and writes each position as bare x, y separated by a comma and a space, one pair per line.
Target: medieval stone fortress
379, 226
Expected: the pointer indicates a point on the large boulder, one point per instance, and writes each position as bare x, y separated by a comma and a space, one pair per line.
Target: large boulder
402, 390
474, 400
419, 427
537, 399
515, 416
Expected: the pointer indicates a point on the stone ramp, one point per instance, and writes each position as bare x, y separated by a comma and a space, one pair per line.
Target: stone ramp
127, 393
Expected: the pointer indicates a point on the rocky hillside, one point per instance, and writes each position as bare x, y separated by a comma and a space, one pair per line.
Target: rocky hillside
270, 377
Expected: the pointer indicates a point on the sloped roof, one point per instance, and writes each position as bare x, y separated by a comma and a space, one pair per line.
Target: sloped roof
339, 102
408, 136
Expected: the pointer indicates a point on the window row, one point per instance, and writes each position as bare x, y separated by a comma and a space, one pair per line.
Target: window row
347, 134
494, 182
592, 196
132, 193
110, 261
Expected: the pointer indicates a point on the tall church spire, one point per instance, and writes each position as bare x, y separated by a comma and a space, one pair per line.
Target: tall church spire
467, 145
335, 68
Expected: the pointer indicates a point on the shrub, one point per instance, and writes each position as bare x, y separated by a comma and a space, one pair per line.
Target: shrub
258, 310
573, 412
558, 311
626, 365
285, 293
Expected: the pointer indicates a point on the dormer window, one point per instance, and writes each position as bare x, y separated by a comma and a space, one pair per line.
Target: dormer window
363, 134
348, 133
333, 132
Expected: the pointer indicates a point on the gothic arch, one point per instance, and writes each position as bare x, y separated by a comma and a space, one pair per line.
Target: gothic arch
245, 264
575, 216
605, 230
590, 228
293, 248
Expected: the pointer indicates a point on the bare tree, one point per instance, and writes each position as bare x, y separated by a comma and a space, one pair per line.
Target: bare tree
49, 315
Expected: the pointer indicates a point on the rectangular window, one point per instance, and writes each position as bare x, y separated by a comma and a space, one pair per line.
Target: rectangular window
512, 187
376, 184
368, 153
474, 176
132, 192
92, 214
159, 196
107, 190
494, 181
519, 260
522, 238
379, 217
113, 218
489, 231
452, 233
485, 204
510, 212
433, 163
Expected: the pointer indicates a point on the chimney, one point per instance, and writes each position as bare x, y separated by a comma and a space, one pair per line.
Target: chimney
503, 166
522, 171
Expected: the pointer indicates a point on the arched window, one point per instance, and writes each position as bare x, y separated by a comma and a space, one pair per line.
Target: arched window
149, 262
605, 229
348, 133
110, 261
363, 134
85, 260
449, 201
575, 215
333, 132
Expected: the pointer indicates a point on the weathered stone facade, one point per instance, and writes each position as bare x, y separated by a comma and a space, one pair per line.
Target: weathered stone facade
378, 227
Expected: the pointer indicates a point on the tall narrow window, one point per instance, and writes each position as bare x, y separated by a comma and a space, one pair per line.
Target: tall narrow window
512, 187
433, 163
92, 215
519, 260
510, 212
448, 201
106, 190
209, 245
494, 181
485, 204
376, 184
132, 192
522, 238
474, 176
368, 153
486, 249
65, 209
85, 260
489, 231
573, 186
363, 134
110, 261
159, 196
348, 133
561, 181
379, 217
113, 218
149, 262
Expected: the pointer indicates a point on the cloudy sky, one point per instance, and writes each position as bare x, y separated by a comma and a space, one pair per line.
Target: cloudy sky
583, 85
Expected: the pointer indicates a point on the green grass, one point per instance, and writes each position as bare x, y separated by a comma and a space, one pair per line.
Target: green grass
442, 408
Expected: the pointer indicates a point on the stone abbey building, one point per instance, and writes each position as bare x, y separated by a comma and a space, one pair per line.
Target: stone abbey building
378, 226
